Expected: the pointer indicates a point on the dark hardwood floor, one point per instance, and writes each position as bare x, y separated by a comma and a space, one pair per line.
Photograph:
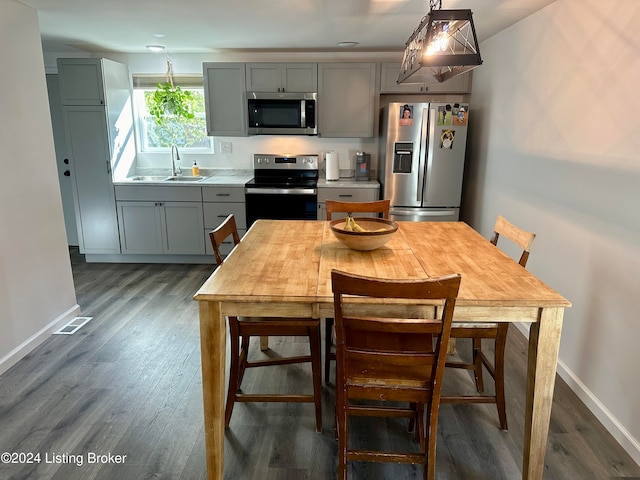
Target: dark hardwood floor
128, 383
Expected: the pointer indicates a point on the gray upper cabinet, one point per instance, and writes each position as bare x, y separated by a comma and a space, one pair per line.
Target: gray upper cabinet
83, 83
347, 97
389, 78
282, 77
225, 98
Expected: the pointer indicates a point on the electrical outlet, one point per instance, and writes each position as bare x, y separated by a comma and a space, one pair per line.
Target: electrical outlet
225, 147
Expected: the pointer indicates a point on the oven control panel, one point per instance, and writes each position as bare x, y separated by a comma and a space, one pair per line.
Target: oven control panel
285, 162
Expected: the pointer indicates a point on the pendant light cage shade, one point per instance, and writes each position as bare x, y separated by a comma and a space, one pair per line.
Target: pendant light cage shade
444, 44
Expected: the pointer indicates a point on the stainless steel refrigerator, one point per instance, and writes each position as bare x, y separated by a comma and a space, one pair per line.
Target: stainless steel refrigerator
421, 161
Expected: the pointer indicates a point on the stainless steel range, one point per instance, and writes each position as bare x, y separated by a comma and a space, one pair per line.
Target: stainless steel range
284, 187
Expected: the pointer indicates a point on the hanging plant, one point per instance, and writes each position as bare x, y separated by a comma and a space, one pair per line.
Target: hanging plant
170, 99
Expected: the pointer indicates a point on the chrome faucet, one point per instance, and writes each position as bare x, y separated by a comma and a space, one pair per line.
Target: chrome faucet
175, 170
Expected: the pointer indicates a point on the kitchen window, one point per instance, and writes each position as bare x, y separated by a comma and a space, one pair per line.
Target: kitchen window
188, 134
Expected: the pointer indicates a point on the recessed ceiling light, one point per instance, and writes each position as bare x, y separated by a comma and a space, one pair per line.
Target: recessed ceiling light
155, 48
347, 44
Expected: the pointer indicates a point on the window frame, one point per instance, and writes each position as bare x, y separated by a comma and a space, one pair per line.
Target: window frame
142, 83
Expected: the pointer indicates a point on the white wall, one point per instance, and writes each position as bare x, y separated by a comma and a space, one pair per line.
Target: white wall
36, 285
555, 147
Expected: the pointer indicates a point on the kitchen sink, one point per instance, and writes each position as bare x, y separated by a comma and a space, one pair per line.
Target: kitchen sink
183, 179
163, 178
147, 178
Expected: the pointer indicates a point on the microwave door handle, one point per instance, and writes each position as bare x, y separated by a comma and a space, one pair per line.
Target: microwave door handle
422, 154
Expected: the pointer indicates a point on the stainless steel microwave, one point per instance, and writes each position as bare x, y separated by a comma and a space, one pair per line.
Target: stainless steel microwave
282, 113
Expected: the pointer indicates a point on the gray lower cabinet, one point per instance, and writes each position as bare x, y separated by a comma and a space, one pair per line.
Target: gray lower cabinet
172, 223
218, 204
94, 202
345, 194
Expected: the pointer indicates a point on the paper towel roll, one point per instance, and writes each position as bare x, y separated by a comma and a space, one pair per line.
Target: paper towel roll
332, 166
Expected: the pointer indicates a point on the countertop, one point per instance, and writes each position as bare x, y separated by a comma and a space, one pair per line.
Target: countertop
347, 183
223, 178
236, 178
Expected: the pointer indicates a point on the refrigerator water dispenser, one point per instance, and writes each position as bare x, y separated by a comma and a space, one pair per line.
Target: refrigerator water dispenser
403, 157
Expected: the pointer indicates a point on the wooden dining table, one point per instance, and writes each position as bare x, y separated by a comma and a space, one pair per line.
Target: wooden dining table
282, 268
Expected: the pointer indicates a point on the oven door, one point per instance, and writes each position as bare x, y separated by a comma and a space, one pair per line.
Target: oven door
281, 203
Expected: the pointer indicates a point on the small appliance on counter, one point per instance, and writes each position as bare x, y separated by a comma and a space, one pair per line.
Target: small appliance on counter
332, 166
363, 166
346, 166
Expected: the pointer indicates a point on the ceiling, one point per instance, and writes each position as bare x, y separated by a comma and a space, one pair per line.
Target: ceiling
200, 26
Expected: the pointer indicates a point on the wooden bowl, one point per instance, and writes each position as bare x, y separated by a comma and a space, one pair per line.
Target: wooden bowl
379, 231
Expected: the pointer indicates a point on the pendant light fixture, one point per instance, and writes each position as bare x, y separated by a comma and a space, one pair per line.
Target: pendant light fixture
444, 45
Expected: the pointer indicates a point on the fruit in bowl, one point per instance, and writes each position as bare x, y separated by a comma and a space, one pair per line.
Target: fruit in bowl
363, 233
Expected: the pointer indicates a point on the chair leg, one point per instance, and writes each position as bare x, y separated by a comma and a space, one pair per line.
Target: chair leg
498, 366
431, 434
316, 370
328, 340
420, 428
477, 361
343, 443
234, 371
243, 358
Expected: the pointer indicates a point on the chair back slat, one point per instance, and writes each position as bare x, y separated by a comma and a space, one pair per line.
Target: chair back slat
392, 342
518, 236
379, 206
225, 230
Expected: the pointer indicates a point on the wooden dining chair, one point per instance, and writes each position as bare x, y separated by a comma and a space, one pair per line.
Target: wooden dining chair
496, 331
380, 207
241, 329
383, 357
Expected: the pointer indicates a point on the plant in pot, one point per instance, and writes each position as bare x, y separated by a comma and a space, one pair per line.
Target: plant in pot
170, 99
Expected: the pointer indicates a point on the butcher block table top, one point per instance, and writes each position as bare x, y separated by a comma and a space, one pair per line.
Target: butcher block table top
282, 268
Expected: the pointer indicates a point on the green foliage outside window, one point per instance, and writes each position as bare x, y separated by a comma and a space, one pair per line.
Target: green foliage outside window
176, 129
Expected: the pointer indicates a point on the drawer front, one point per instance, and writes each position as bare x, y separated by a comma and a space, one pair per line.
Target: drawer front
347, 194
139, 193
215, 213
223, 194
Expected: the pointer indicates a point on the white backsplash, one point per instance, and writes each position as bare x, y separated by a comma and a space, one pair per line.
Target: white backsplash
243, 149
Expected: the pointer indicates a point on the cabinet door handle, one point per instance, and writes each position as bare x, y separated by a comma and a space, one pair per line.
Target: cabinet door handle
222, 194
345, 195
67, 173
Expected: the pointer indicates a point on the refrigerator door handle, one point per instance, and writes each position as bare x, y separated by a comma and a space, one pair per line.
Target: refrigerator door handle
429, 153
422, 153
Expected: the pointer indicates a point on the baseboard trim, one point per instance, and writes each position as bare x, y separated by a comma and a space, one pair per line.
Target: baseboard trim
604, 416
18, 353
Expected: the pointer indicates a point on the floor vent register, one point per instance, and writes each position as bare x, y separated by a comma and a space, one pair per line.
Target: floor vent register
73, 326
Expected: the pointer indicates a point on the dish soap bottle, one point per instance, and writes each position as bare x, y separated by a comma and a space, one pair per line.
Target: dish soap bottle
195, 170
